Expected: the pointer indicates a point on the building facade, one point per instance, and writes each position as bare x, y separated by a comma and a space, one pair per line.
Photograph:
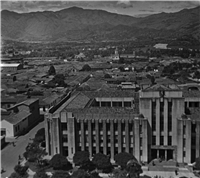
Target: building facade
148, 124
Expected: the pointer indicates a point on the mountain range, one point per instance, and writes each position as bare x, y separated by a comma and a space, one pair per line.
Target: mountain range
74, 24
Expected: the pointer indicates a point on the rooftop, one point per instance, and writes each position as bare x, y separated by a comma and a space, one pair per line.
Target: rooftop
104, 113
16, 118
160, 87
191, 93
9, 65
110, 94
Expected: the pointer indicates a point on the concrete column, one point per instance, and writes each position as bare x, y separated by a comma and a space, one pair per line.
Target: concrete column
165, 155
165, 122
119, 137
157, 122
180, 141
82, 135
90, 137
104, 138
127, 135
112, 142
157, 153
145, 141
47, 135
97, 135
71, 137
137, 139
188, 142
197, 139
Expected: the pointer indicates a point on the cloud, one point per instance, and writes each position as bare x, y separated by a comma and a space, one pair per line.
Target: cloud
124, 4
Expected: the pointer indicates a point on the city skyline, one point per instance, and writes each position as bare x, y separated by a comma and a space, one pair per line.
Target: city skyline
126, 7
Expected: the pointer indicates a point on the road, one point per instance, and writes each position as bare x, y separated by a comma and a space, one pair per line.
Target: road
10, 154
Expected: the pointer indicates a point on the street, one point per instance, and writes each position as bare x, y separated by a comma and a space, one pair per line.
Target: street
10, 154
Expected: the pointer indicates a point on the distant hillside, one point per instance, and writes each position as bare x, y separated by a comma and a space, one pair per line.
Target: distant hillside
83, 24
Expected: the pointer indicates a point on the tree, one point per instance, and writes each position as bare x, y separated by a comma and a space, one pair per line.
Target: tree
59, 162
107, 76
16, 175
197, 165
81, 157
133, 168
34, 152
60, 174
80, 173
122, 158
14, 78
21, 170
86, 67
52, 70
40, 174
59, 79
118, 173
88, 166
40, 135
102, 162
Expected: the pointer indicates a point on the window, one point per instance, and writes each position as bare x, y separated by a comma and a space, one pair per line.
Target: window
169, 140
153, 116
140, 141
116, 126
184, 154
127, 104
184, 129
161, 140
86, 126
193, 128
100, 126
169, 116
140, 129
184, 142
153, 140
140, 152
193, 140
64, 126
161, 116
65, 138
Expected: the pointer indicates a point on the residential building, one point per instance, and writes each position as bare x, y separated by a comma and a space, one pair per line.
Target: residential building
20, 117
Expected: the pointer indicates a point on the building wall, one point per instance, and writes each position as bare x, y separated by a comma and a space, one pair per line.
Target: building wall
106, 136
20, 127
9, 128
35, 113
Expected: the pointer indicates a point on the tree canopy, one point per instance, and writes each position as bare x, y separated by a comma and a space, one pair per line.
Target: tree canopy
40, 174
86, 67
122, 158
34, 152
60, 174
102, 162
21, 170
80, 173
40, 135
81, 157
59, 162
52, 70
88, 166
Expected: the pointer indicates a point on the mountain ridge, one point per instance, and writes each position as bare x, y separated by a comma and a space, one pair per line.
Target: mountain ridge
76, 23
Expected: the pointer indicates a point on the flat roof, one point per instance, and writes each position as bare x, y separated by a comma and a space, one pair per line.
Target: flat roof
9, 65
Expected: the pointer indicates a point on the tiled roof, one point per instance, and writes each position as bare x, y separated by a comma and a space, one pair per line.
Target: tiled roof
192, 93
109, 94
159, 87
104, 113
30, 101
16, 118
80, 101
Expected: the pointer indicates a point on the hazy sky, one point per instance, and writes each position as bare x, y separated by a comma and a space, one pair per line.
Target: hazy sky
127, 7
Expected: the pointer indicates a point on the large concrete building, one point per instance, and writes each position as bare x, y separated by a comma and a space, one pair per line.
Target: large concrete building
149, 124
